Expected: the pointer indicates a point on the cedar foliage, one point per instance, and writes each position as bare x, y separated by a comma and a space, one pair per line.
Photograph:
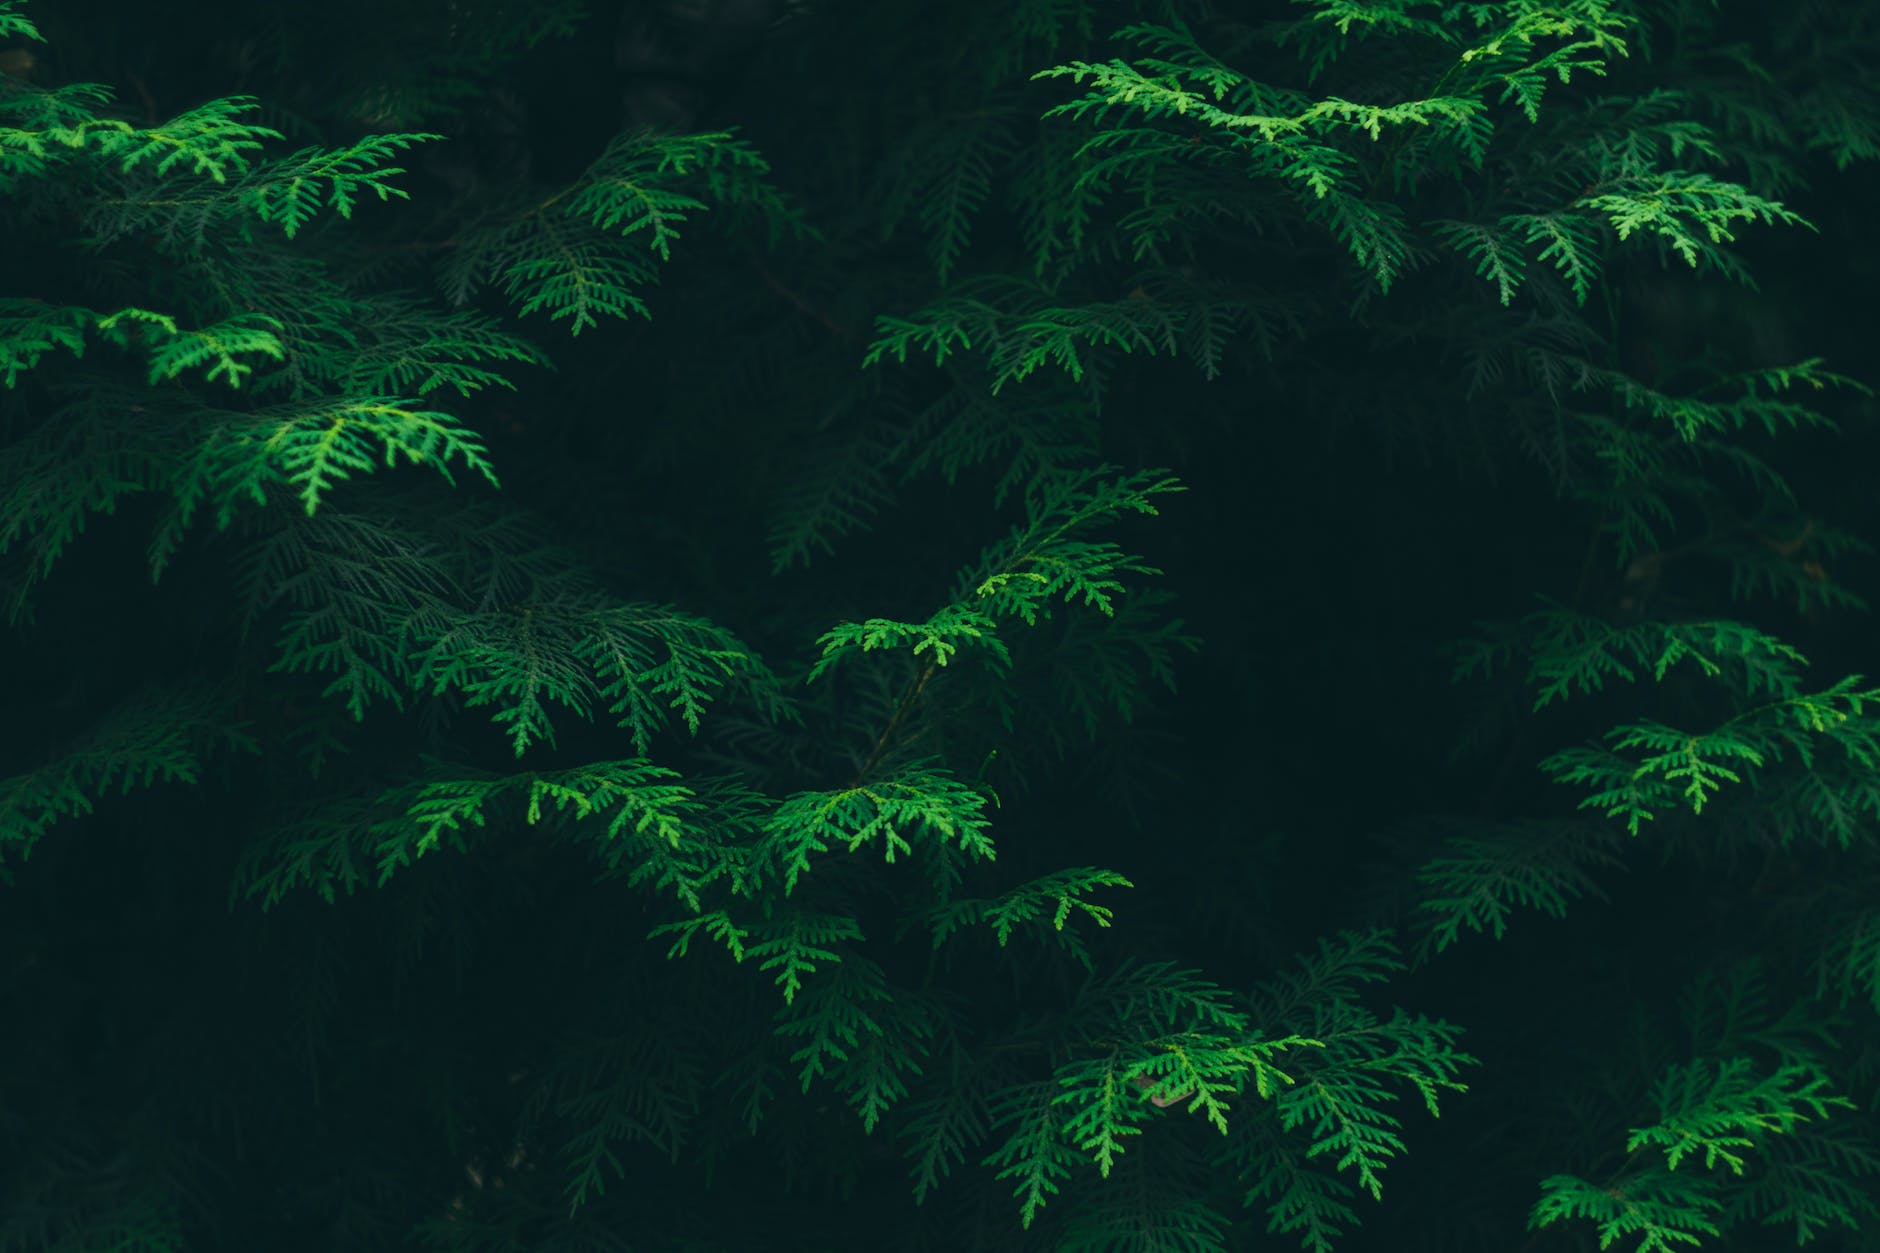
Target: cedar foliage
599, 682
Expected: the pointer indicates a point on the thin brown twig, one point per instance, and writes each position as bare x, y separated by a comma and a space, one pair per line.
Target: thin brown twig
901, 710
143, 93
777, 285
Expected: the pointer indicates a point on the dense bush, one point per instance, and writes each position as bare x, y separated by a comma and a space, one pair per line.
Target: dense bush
784, 624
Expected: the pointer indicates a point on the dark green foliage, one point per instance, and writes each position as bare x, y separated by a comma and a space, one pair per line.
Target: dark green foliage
591, 676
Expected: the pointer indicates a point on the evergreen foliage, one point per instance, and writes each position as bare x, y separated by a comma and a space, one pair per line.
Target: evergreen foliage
590, 676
